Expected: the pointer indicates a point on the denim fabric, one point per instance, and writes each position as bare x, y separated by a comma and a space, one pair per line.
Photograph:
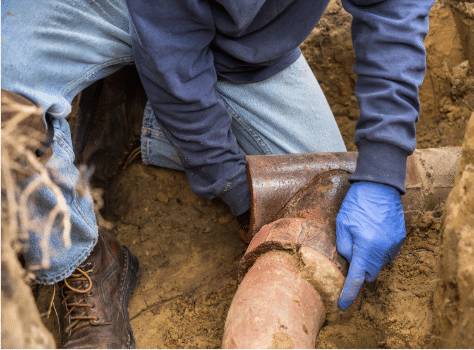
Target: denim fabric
286, 113
41, 204
53, 49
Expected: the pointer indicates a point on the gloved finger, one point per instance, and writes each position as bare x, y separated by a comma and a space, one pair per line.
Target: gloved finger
353, 283
344, 238
393, 251
372, 273
387, 258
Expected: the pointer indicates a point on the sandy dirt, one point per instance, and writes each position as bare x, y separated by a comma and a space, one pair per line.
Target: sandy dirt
189, 250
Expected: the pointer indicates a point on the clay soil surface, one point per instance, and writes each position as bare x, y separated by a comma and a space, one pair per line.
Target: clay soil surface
188, 246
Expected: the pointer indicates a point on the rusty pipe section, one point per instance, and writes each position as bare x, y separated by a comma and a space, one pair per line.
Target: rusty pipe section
303, 241
295, 200
296, 313
275, 179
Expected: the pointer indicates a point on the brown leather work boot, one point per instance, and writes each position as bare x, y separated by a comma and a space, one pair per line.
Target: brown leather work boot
107, 127
94, 310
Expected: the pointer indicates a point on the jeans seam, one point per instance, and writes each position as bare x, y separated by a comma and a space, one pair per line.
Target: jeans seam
155, 134
69, 87
264, 148
145, 132
75, 202
145, 136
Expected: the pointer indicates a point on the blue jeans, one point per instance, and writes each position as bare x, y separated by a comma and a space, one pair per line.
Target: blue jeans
51, 50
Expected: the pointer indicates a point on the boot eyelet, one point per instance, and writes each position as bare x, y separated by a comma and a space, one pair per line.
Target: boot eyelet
88, 266
93, 306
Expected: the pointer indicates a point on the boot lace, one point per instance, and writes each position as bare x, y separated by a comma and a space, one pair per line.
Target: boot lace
80, 276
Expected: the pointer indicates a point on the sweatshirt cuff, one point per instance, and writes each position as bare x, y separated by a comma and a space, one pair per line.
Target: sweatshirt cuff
381, 163
238, 197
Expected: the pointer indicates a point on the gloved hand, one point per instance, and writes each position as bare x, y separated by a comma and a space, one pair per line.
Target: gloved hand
370, 228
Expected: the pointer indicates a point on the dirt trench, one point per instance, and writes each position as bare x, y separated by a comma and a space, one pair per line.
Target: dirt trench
188, 246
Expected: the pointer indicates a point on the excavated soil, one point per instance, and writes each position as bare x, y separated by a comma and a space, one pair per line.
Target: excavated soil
188, 246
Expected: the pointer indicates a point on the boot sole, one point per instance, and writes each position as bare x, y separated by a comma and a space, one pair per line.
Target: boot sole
130, 281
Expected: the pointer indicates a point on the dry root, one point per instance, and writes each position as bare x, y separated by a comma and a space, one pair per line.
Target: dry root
19, 141
21, 137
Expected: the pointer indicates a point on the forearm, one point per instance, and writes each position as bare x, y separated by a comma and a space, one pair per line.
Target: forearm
388, 40
171, 49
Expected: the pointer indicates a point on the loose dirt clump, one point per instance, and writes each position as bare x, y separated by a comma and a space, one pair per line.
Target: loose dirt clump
396, 309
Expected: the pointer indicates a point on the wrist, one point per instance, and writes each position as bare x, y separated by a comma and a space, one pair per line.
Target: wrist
377, 187
381, 163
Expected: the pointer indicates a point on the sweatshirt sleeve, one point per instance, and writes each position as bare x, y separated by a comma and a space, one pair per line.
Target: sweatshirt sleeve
388, 39
170, 42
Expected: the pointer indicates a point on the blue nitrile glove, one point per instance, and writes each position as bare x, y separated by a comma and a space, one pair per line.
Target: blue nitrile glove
370, 229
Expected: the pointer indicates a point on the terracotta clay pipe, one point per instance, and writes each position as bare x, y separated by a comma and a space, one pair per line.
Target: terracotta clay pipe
291, 274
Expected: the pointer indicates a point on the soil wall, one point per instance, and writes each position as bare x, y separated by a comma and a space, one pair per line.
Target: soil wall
454, 297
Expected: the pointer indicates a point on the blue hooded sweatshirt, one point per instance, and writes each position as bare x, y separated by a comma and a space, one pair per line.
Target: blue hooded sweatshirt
182, 47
